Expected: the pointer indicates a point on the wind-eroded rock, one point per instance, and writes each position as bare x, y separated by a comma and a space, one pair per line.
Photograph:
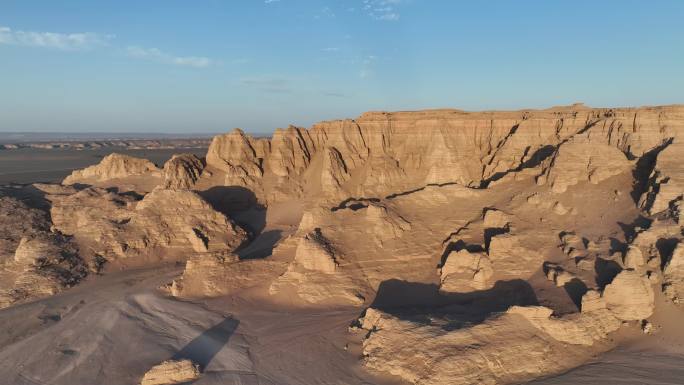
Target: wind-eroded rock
464, 271
666, 180
34, 262
518, 345
171, 372
674, 274
113, 166
164, 222
582, 160
630, 296
182, 171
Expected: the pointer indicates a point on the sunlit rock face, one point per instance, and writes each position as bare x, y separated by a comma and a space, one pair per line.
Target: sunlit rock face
382, 153
114, 166
182, 171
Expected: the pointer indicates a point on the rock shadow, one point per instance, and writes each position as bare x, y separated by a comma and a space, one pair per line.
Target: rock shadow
262, 246
642, 172
576, 289
606, 270
418, 301
238, 203
204, 348
355, 204
666, 247
630, 229
130, 193
534, 160
458, 246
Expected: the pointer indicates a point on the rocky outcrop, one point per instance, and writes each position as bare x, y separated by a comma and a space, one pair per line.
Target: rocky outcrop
163, 223
581, 160
172, 372
182, 171
630, 296
666, 184
220, 274
34, 261
673, 275
382, 153
238, 157
385, 223
464, 271
113, 166
518, 345
314, 252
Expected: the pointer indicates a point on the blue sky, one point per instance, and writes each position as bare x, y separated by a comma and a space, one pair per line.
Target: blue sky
211, 65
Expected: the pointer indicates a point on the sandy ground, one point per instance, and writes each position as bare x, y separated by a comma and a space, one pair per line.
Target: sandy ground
112, 329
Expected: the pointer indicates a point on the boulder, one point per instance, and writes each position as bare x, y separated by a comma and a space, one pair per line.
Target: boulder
630, 296
182, 171
171, 372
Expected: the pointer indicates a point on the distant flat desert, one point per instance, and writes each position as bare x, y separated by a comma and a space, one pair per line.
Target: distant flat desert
32, 165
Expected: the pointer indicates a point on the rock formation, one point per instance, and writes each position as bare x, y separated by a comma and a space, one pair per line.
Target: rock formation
674, 274
630, 296
171, 372
168, 222
182, 171
35, 261
464, 271
666, 180
114, 166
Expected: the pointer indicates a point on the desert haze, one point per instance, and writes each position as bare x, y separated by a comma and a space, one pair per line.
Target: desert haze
425, 247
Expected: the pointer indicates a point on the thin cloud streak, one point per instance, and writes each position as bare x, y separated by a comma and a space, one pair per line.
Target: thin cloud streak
382, 9
161, 56
53, 40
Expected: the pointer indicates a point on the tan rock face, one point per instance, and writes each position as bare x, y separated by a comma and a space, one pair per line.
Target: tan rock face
523, 342
314, 252
464, 271
113, 166
581, 160
218, 274
171, 372
667, 179
236, 155
630, 296
674, 274
163, 222
385, 153
182, 171
34, 262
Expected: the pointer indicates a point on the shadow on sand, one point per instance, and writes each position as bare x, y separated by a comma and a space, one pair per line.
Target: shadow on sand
202, 349
407, 300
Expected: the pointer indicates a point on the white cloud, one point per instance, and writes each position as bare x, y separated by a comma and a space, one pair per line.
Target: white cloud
54, 40
325, 13
270, 1
330, 49
382, 9
161, 56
